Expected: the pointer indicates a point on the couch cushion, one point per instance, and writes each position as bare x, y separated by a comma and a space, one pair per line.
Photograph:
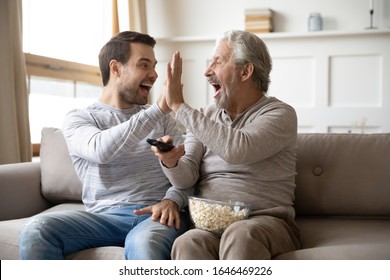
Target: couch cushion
100, 253
60, 182
9, 231
343, 174
332, 238
9, 238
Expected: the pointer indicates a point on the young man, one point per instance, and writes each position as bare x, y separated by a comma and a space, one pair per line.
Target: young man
241, 149
129, 202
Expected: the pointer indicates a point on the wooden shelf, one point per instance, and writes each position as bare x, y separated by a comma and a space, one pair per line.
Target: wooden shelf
285, 35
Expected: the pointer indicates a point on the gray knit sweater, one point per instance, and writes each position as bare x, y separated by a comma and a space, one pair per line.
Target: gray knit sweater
112, 158
251, 159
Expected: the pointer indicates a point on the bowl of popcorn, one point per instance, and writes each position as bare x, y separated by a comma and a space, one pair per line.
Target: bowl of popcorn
215, 216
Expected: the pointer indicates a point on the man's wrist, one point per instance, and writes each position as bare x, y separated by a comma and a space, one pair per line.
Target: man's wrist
169, 166
163, 108
176, 107
172, 202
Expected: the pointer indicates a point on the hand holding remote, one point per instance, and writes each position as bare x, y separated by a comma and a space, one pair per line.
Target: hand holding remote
164, 147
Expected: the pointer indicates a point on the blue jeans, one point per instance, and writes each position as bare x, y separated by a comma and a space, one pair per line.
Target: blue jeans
55, 235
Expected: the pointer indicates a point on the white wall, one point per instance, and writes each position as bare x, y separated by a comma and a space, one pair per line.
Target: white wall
336, 79
176, 18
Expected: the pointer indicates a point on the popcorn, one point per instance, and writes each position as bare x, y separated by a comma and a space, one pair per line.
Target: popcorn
216, 216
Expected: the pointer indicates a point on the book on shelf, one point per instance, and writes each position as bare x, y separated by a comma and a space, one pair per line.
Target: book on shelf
258, 20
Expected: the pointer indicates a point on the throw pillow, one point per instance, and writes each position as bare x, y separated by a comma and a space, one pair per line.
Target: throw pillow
60, 182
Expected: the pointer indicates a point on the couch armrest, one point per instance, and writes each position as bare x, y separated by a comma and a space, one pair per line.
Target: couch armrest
20, 190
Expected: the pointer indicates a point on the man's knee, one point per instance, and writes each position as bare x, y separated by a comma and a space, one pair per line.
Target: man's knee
35, 228
195, 244
153, 242
259, 238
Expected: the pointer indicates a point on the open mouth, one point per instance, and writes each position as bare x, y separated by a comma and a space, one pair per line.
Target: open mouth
216, 87
145, 87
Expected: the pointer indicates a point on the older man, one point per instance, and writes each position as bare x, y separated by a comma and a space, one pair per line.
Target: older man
241, 148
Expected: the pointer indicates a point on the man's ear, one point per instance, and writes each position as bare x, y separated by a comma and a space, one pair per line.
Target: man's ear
114, 67
247, 71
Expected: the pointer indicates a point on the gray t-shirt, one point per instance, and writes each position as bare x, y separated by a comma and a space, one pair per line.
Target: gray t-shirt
112, 158
251, 159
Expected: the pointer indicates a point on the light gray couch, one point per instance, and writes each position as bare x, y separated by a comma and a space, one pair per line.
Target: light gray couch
342, 196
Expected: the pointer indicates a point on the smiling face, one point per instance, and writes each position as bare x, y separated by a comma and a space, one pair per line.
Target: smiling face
222, 76
138, 75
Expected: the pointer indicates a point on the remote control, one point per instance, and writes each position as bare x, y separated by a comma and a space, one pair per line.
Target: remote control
165, 147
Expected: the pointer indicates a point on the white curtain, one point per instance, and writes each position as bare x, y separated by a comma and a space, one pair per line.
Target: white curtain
15, 142
115, 17
137, 16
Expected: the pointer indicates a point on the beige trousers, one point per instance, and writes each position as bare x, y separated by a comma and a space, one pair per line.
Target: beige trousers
257, 238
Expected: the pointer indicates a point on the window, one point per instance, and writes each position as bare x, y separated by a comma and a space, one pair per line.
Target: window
68, 31
55, 87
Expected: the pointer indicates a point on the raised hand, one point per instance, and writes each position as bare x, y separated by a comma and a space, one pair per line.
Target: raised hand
173, 89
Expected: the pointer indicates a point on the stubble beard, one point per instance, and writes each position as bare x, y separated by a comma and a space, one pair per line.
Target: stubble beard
225, 99
131, 97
